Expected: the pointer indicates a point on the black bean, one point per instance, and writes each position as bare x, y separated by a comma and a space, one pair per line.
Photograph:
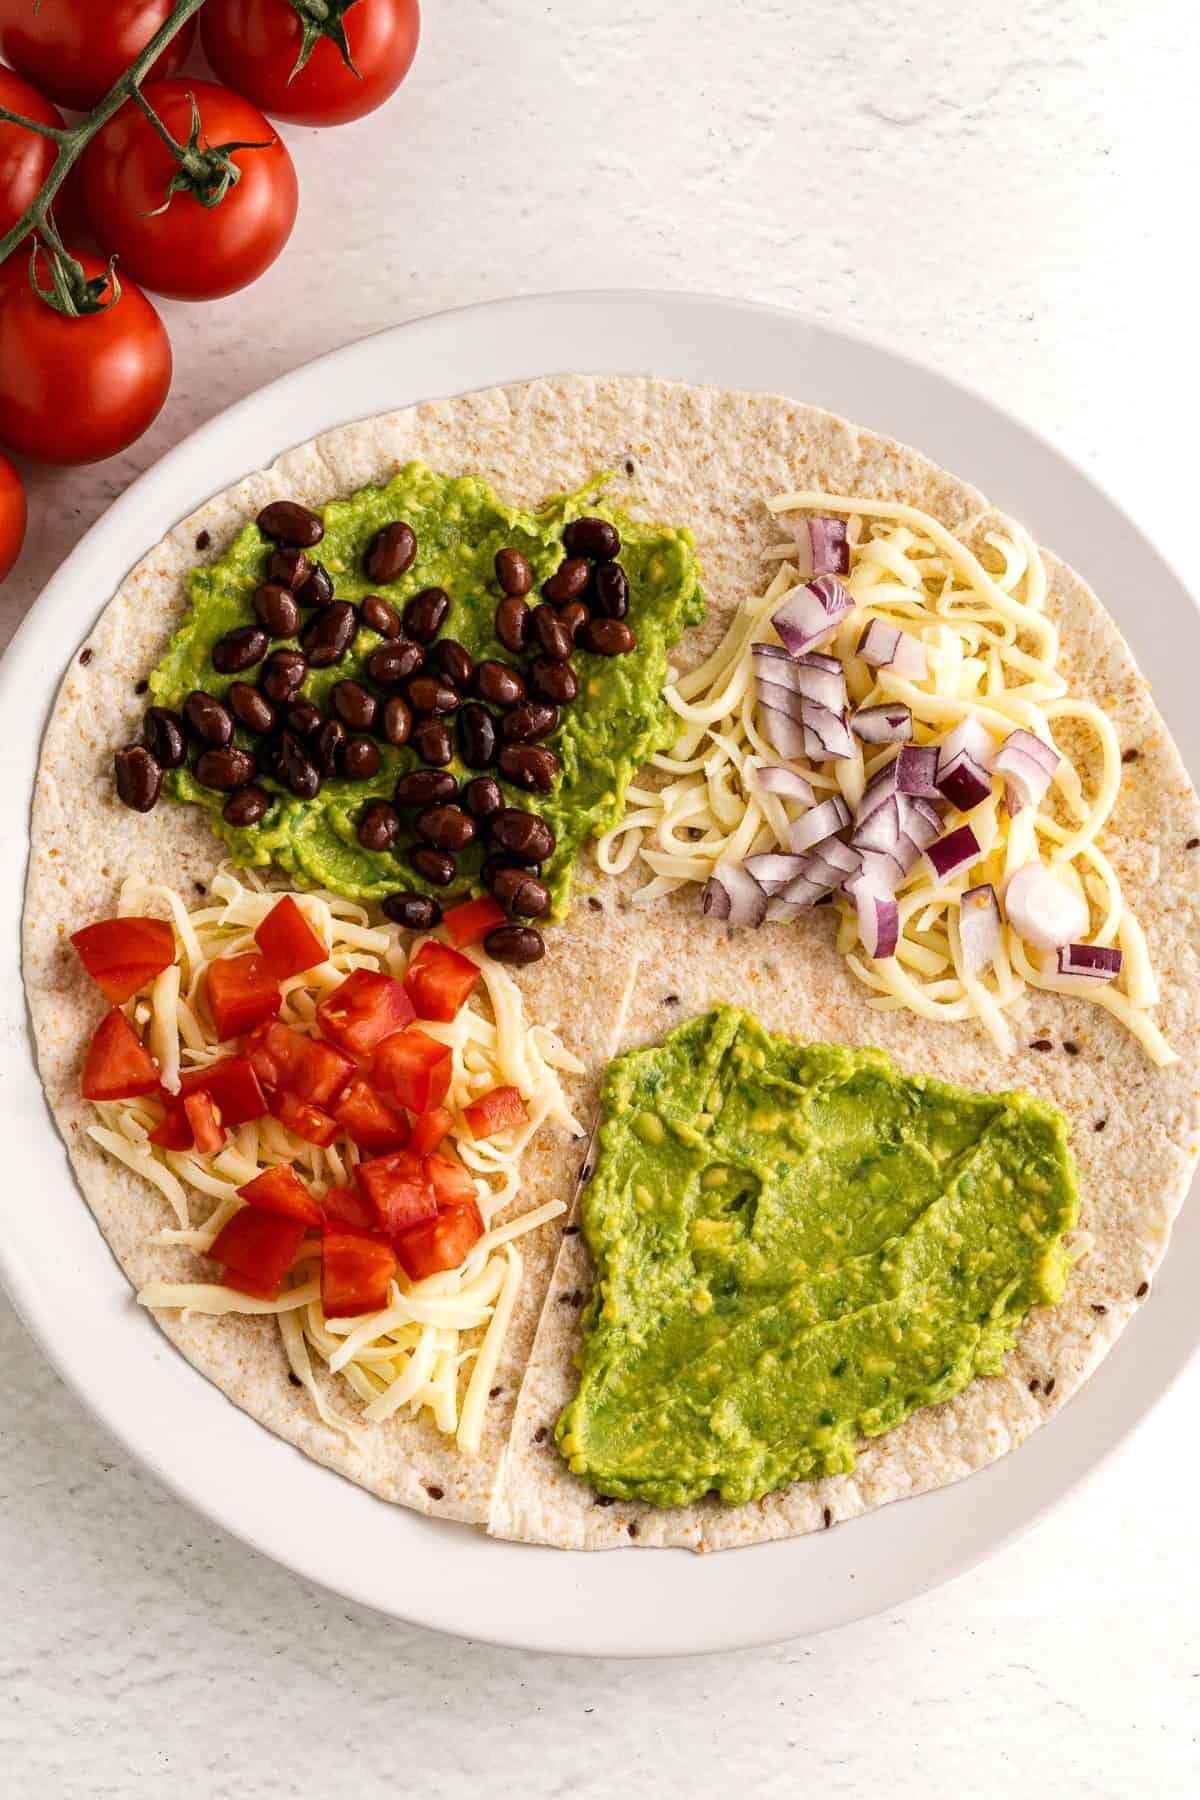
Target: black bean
394, 721
551, 634
250, 707
225, 769
494, 865
284, 675
607, 637
317, 587
239, 650
390, 664
380, 616
355, 705
429, 694
379, 826
289, 567
303, 718
529, 723
328, 747
445, 827
476, 736
424, 787
290, 523
454, 662
553, 681
163, 732
513, 572
519, 892
247, 805
515, 944
593, 538
416, 912
138, 777
426, 613
609, 591
208, 720
499, 683
296, 768
329, 634
512, 624
431, 741
574, 615
432, 865
529, 766
360, 759
277, 609
568, 581
482, 797
522, 833
391, 552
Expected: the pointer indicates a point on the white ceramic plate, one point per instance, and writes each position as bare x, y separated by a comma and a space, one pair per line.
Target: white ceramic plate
77, 1303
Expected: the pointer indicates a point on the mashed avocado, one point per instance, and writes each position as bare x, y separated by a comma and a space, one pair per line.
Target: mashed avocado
796, 1246
618, 720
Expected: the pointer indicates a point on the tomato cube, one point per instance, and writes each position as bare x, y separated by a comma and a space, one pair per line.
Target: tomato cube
233, 1085
398, 1189
122, 955
118, 1065
369, 1121
257, 1247
429, 1130
495, 1111
204, 1122
173, 1131
441, 1243
452, 1184
439, 981
288, 942
346, 1210
241, 993
356, 1274
471, 922
280, 1190
364, 1010
307, 1121
415, 1068
307, 1067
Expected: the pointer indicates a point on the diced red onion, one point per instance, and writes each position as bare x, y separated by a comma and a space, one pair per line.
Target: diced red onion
1043, 910
779, 694
979, 928
824, 869
826, 733
878, 922
971, 737
921, 820
886, 647
886, 724
821, 822
916, 771
783, 732
773, 870
1027, 765
955, 851
789, 784
880, 828
881, 870
730, 893
881, 787
963, 781
774, 668
822, 547
816, 659
1099, 961
811, 612
797, 897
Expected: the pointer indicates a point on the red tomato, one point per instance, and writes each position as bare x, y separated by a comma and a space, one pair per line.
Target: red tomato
305, 1119
452, 1185
77, 390
257, 1248
440, 1243
471, 922
280, 1190
74, 50
173, 1131
189, 251
346, 1210
356, 1274
12, 515
307, 1067
429, 1130
204, 1122
254, 44
495, 1112
398, 1189
288, 942
241, 993
122, 955
118, 1065
415, 1068
364, 1010
366, 1117
233, 1085
439, 981
26, 158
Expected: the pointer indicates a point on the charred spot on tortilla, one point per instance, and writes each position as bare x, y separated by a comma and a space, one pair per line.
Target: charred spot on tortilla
203, 540
86, 655
1142, 1291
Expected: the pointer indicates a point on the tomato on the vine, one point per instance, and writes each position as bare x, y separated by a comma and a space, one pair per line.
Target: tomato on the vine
74, 390
26, 158
12, 515
74, 50
254, 45
188, 250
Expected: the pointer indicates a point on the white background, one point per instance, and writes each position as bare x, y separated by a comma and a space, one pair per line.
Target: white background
1010, 192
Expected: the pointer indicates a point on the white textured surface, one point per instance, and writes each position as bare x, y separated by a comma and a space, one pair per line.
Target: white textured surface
1005, 191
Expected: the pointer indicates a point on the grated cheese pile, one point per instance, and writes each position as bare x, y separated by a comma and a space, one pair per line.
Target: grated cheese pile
415, 1354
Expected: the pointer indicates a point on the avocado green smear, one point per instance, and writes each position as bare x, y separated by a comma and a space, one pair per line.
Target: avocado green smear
617, 722
796, 1246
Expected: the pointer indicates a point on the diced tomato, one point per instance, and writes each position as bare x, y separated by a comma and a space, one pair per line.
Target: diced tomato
451, 1183
471, 922
429, 1130
288, 942
307, 1067
367, 1118
364, 1010
204, 1122
495, 1111
415, 1068
280, 1190
440, 1243
257, 1248
173, 1132
356, 1273
346, 1210
234, 1087
398, 1189
122, 955
439, 980
241, 993
118, 1065
306, 1120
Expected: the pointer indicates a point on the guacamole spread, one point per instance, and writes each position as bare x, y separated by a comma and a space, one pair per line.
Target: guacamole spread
618, 720
796, 1246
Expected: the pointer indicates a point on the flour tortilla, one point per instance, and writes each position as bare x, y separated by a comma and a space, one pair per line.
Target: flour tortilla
705, 458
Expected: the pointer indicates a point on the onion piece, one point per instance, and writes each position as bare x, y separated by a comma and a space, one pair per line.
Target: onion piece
886, 724
1043, 910
881, 828
775, 669
916, 771
979, 928
785, 734
1099, 961
730, 893
963, 781
922, 822
811, 612
822, 547
1027, 765
886, 647
971, 738
826, 733
956, 851
816, 659
821, 822
824, 869
789, 784
878, 921
773, 869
